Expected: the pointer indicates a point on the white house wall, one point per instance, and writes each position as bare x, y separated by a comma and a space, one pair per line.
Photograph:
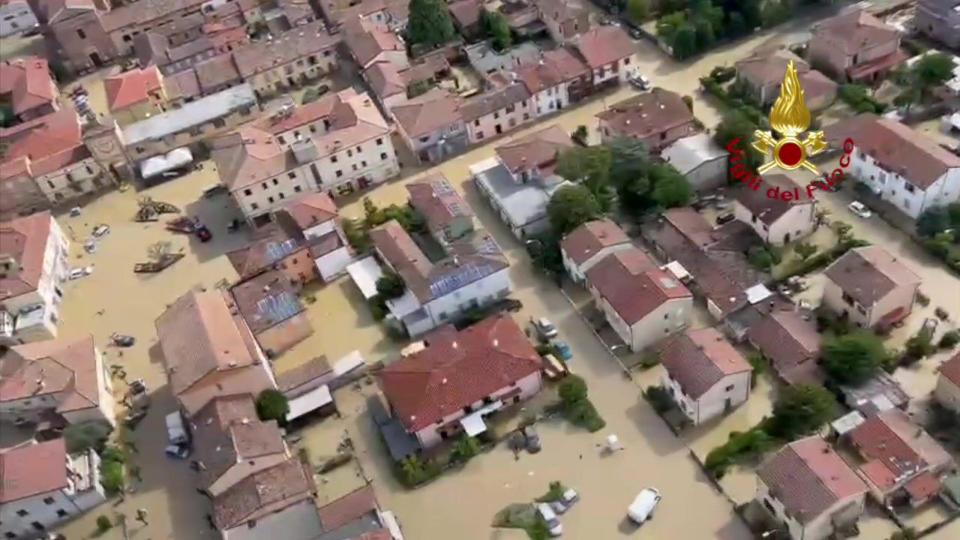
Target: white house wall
895, 189
484, 291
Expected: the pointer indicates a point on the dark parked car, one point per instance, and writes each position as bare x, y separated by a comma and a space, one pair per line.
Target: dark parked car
121, 340
533, 439
725, 218
203, 233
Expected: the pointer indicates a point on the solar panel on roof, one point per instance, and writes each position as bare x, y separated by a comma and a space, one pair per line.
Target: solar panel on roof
463, 276
279, 307
442, 187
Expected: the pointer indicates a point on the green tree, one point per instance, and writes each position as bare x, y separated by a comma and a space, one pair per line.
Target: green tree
801, 410
930, 71
637, 10
104, 524
465, 448
804, 250
544, 250
760, 257
272, 405
853, 358
589, 166
573, 389
669, 25
736, 125
112, 476
670, 188
80, 437
933, 221
736, 25
905, 534
570, 207
629, 158
685, 41
429, 23
419, 88
390, 285
498, 28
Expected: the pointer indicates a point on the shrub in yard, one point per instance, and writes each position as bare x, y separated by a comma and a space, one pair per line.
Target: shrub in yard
722, 74
413, 471
923, 299
659, 398
104, 524
949, 339
580, 135
585, 415
112, 476
465, 448
555, 493
573, 389
390, 285
272, 405
920, 345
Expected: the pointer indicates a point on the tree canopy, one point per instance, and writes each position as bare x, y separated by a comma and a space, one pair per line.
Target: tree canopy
670, 188
638, 10
734, 125
390, 285
429, 23
272, 405
853, 358
570, 207
801, 410
497, 27
589, 166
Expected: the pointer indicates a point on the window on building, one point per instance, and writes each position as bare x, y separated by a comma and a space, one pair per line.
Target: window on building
383, 156
127, 38
354, 166
254, 206
81, 33
292, 175
729, 388
479, 134
270, 200
297, 189
264, 185
50, 184
22, 512
425, 139
312, 59
326, 53
281, 195
510, 109
339, 173
48, 500
909, 187
38, 526
626, 61
247, 192
219, 123
349, 152
276, 182
363, 163
379, 142
333, 159
496, 115
61, 512
280, 139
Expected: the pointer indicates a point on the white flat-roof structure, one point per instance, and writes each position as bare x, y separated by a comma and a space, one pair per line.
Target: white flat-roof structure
308, 402
365, 274
523, 205
191, 115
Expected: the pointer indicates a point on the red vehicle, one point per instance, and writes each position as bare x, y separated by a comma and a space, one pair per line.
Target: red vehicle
203, 233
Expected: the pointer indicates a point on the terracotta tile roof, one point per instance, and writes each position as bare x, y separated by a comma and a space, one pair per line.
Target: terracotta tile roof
122, 16
950, 370
249, 156
465, 13
292, 45
279, 124
183, 84
319, 246
633, 285
869, 273
435, 198
131, 87
312, 209
538, 149
25, 241
560, 10
427, 113
217, 71
427, 67
199, 336
604, 45
493, 101
291, 379
789, 339
385, 80
647, 114
764, 67
50, 143
855, 31
590, 238
457, 369
349, 508
554, 68
367, 40
65, 369
923, 486
878, 474
32, 469
266, 300
808, 477
270, 244
766, 209
900, 445
263, 493
27, 84
699, 359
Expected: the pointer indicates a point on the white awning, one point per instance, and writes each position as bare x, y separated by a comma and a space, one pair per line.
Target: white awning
311, 401
473, 424
348, 363
758, 293
847, 422
177, 157
365, 274
677, 270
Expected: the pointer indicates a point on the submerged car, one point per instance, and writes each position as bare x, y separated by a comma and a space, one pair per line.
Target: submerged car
859, 209
642, 507
545, 328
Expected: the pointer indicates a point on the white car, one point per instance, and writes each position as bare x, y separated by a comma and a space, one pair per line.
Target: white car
545, 328
101, 230
77, 273
859, 209
548, 515
640, 81
641, 509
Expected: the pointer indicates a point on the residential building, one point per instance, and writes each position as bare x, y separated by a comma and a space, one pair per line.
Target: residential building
448, 216
41, 486
191, 123
47, 163
337, 145
855, 46
432, 125
642, 303
705, 374
278, 245
135, 95
459, 377
589, 243
370, 42
780, 212
209, 352
155, 49
467, 18
556, 80
880, 392
520, 180
34, 261
497, 111
299, 55
609, 53
902, 464
940, 20
230, 443
657, 119
79, 39
267, 494
212, 75
58, 378
870, 286
393, 84
564, 20
900, 165
393, 13
315, 214
16, 16
700, 160
789, 340
947, 392
523, 17
489, 62
269, 305
27, 86
810, 489
762, 73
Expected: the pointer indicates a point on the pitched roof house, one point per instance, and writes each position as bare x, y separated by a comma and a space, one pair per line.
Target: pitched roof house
27, 85
269, 305
947, 392
810, 488
788, 338
589, 243
370, 42
763, 71
448, 216
656, 118
609, 53
871, 286
704, 373
855, 46
136, 94
458, 377
641, 302
788, 215
263, 493
564, 19
432, 124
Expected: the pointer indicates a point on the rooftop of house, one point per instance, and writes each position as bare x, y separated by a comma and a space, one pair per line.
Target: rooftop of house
538, 150
457, 369
789, 338
486, 60
591, 238
354, 513
66, 369
23, 240
396, 11
32, 469
312, 209
950, 370
523, 203
216, 72
26, 83
132, 87
699, 359
436, 199
367, 40
869, 273
126, 15
647, 114
855, 31
465, 13
769, 209
688, 153
266, 300
268, 246
490, 102
561, 10
604, 45
430, 112
264, 492
551, 69
633, 284
295, 44
42, 145
808, 478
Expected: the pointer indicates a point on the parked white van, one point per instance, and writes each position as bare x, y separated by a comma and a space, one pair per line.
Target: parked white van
642, 507
176, 433
553, 524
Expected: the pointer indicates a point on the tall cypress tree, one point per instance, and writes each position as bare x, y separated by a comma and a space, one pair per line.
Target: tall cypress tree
429, 23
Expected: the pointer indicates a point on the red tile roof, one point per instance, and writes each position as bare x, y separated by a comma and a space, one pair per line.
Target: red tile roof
950, 370
312, 209
923, 486
266, 301
869, 273
28, 82
368, 40
64, 369
633, 285
348, 508
132, 87
855, 31
425, 114
50, 143
604, 45
789, 339
699, 359
647, 114
539, 149
264, 492
438, 201
457, 369
554, 68
768, 209
465, 12
808, 477
590, 238
25, 241
32, 469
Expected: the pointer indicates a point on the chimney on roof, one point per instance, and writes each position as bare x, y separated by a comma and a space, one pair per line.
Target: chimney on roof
496, 342
245, 421
454, 345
